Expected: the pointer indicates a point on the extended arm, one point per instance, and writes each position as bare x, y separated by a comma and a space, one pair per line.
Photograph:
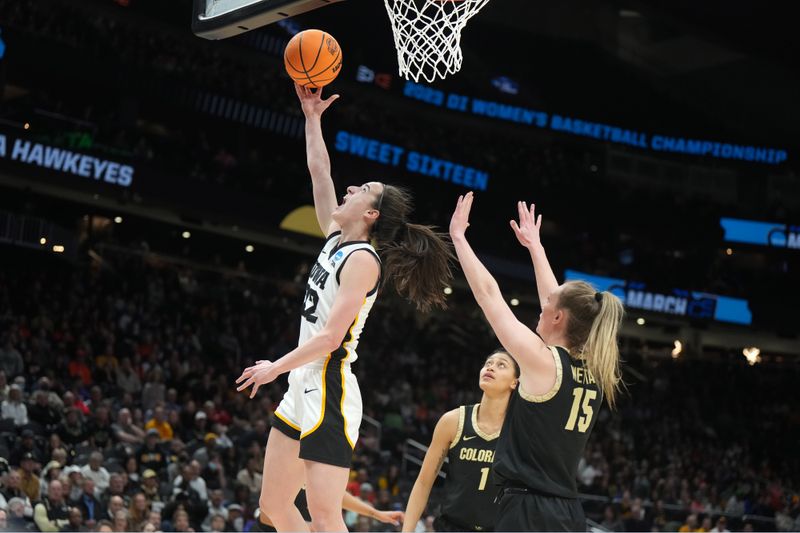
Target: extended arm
443, 436
522, 343
359, 276
527, 233
319, 163
359, 506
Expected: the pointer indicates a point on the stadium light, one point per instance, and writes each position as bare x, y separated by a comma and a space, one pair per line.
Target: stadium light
57, 248
448, 290
42, 241
186, 234
676, 351
752, 354
514, 302
118, 220
249, 248
27, 126
640, 321
729, 251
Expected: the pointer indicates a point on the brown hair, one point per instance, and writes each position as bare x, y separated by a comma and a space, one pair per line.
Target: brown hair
416, 258
593, 321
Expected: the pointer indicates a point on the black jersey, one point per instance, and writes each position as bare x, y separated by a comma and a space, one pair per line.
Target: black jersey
470, 490
544, 437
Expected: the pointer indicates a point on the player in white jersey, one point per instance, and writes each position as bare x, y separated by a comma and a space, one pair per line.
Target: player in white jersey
317, 422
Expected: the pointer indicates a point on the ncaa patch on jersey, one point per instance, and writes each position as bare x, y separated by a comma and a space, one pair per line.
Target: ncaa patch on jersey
337, 257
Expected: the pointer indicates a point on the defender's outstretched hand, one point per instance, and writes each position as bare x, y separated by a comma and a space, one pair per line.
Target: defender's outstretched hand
312, 103
527, 231
460, 220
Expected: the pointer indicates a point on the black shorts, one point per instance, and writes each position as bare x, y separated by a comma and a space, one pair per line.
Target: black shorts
524, 510
322, 409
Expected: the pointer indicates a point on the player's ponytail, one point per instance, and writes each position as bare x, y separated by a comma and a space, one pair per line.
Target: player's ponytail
592, 327
415, 258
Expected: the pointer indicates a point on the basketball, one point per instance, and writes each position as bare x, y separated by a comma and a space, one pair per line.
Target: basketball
313, 58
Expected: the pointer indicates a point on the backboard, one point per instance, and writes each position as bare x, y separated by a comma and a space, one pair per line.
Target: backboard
220, 19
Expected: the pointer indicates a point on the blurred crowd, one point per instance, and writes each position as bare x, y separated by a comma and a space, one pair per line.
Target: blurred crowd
119, 410
116, 377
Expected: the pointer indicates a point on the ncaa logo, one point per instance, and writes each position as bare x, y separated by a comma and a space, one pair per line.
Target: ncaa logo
337, 257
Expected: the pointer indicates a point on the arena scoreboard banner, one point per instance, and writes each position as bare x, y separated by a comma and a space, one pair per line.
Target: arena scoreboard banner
678, 302
772, 234
26, 154
595, 130
397, 156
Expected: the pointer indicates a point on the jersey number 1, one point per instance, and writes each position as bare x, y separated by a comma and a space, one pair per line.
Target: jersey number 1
484, 478
585, 419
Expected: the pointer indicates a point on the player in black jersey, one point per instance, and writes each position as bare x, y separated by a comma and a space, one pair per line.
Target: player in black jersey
467, 437
567, 366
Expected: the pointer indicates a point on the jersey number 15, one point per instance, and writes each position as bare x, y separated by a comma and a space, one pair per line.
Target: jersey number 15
585, 419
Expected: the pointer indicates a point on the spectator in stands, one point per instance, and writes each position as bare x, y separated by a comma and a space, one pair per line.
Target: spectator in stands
611, 521
199, 428
190, 479
151, 455
121, 522
27, 445
95, 471
52, 513
138, 512
125, 431
75, 478
116, 487
250, 477
11, 363
105, 526
204, 453
721, 526
127, 378
51, 471
154, 391
29, 482
216, 507
159, 423
78, 368
18, 519
75, 521
217, 523
4, 387
14, 407
690, 525
99, 428
180, 521
150, 486
72, 430
88, 503
43, 413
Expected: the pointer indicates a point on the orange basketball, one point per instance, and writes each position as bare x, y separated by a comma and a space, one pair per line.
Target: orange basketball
313, 58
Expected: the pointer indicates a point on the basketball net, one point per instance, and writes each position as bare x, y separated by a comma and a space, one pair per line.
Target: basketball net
428, 38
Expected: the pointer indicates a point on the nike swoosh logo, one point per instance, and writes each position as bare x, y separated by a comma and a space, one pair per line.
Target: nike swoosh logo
310, 390
470, 438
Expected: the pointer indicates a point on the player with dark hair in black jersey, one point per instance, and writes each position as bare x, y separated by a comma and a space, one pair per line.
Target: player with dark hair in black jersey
567, 367
467, 438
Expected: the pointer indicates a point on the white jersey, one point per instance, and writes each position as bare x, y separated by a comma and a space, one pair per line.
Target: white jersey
323, 285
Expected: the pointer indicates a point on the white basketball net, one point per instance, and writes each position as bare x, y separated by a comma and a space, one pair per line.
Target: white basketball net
428, 38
